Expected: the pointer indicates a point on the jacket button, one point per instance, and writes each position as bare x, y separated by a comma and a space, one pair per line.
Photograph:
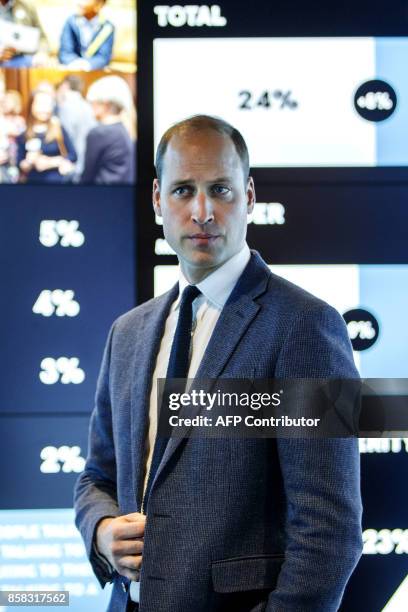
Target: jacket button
123, 586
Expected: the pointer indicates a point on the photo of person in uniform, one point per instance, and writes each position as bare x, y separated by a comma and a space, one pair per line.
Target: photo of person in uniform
87, 38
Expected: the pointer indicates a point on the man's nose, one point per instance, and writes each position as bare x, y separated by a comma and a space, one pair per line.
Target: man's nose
202, 209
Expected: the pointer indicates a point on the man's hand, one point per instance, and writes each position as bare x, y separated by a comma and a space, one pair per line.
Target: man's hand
120, 540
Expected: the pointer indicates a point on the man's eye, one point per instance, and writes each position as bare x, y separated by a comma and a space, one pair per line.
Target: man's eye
220, 189
181, 190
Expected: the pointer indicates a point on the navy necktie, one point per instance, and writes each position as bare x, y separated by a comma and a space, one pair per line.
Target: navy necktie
177, 368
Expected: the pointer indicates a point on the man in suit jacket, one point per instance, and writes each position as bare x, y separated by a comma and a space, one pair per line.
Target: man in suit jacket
249, 525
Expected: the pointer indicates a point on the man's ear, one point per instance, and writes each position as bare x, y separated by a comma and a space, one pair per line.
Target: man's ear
156, 197
251, 197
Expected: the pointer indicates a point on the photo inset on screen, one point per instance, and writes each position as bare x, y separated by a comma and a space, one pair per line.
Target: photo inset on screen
74, 34
67, 91
67, 127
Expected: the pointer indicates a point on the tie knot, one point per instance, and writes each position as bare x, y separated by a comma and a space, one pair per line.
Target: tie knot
189, 294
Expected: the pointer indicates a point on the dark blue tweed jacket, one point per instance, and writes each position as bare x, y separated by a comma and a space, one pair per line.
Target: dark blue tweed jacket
247, 525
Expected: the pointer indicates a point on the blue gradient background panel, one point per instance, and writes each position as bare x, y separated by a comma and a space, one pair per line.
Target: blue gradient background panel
383, 291
391, 60
42, 550
379, 289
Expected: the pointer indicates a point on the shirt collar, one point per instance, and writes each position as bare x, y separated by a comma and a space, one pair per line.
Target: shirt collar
217, 286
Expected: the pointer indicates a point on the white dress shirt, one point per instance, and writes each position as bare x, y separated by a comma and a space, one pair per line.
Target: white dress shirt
215, 291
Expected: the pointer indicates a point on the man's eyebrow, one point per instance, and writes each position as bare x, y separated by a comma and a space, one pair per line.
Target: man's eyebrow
188, 181
221, 179
181, 182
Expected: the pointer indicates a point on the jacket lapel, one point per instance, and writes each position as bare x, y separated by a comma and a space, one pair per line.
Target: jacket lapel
235, 318
150, 332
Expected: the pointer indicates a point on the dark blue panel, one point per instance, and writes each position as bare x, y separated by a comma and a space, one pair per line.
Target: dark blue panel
38, 478
101, 273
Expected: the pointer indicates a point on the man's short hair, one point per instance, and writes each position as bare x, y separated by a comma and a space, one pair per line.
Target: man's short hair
201, 123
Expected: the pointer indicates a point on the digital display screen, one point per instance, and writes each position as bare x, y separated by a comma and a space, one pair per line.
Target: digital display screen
67, 263
320, 95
